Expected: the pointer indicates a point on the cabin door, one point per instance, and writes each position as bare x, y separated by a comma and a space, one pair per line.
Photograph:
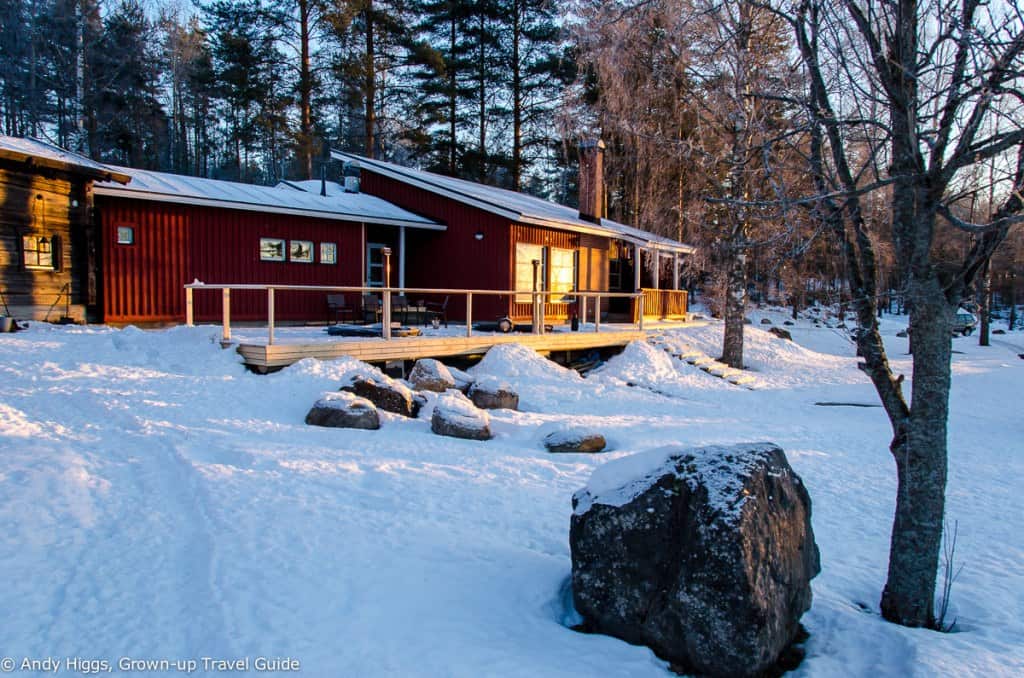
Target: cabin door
375, 264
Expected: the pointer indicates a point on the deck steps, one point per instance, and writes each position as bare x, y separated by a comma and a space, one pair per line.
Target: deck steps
702, 361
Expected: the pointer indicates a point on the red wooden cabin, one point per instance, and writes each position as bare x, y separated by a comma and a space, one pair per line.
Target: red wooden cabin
162, 231
494, 234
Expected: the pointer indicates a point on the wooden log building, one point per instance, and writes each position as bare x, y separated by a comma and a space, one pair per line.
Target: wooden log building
49, 246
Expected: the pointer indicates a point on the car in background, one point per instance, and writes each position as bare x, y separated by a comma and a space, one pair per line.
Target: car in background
964, 323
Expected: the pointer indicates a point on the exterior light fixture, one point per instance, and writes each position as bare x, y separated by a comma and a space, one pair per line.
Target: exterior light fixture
479, 235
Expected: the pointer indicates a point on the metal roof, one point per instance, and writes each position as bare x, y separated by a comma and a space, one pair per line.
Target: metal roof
283, 199
512, 205
44, 154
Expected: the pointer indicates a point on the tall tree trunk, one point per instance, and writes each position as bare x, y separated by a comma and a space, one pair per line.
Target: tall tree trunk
919, 447
370, 84
735, 307
453, 96
305, 90
984, 300
517, 100
482, 94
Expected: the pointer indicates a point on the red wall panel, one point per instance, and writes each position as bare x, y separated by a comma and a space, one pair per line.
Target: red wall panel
175, 244
142, 281
452, 258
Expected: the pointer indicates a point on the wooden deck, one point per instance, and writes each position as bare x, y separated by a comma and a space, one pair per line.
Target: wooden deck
263, 357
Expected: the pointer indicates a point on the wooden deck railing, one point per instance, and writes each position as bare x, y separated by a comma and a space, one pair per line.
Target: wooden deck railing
386, 293
662, 303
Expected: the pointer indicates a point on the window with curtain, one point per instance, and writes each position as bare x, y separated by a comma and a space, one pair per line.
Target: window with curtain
525, 255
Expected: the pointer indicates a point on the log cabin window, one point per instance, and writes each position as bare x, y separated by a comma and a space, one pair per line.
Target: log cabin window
563, 272
125, 235
37, 252
525, 255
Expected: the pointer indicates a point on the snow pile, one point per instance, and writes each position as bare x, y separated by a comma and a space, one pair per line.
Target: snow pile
540, 383
517, 364
647, 366
785, 364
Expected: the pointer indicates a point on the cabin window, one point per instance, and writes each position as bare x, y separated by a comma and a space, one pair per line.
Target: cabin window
328, 253
301, 251
125, 235
525, 256
37, 252
563, 271
272, 249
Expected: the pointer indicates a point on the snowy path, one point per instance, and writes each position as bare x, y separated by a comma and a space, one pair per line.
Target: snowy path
157, 501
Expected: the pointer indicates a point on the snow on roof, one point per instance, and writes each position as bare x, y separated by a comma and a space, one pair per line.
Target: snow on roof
512, 205
283, 199
38, 152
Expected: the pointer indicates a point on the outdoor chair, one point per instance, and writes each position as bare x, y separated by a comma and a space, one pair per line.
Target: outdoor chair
338, 308
372, 308
400, 306
437, 310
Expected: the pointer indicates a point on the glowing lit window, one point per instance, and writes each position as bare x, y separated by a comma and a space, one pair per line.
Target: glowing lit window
37, 252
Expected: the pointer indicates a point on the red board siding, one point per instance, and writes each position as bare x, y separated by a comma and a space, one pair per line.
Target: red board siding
175, 244
453, 258
225, 249
142, 281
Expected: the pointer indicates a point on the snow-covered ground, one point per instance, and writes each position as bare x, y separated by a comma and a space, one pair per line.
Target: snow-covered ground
157, 501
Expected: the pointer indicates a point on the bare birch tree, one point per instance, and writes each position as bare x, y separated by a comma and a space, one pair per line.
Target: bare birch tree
909, 96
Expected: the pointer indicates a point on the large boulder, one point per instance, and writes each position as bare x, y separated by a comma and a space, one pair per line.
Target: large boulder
386, 393
781, 333
491, 393
431, 375
343, 410
705, 555
457, 417
572, 440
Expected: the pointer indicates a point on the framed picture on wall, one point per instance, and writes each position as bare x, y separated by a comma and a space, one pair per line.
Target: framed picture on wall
328, 253
301, 251
272, 249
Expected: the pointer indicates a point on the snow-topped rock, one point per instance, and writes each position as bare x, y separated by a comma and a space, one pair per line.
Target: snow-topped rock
492, 393
574, 440
386, 393
343, 410
456, 416
431, 375
705, 555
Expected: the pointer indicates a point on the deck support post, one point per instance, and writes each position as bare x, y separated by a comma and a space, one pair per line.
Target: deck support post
385, 316
401, 259
640, 303
270, 316
675, 271
637, 267
657, 268
469, 314
226, 312
190, 317
583, 308
538, 315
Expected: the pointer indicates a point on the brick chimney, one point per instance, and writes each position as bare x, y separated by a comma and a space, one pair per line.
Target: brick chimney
591, 183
